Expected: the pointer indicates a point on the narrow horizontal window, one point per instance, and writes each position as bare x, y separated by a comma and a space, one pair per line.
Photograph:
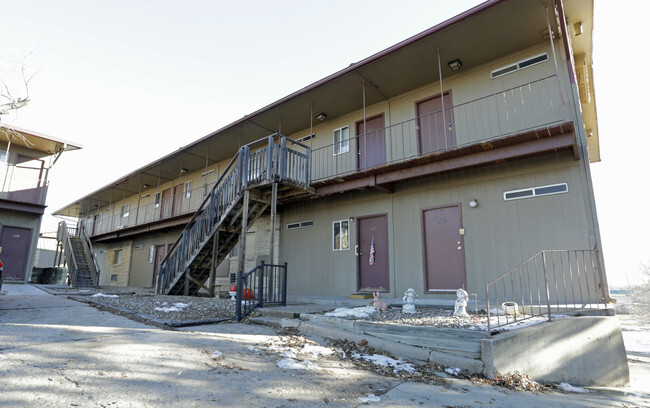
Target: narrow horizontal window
301, 224
528, 62
536, 191
304, 139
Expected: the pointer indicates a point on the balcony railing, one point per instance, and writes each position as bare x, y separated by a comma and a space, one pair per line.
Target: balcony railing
22, 184
286, 164
531, 106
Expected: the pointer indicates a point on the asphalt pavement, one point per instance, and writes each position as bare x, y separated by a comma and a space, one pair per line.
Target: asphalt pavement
56, 352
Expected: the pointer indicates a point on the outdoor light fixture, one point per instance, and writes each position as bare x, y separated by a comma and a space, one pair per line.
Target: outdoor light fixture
473, 203
146, 186
455, 64
184, 170
321, 116
577, 28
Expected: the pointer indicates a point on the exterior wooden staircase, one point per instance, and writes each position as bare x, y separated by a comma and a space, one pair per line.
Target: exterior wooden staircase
247, 188
83, 270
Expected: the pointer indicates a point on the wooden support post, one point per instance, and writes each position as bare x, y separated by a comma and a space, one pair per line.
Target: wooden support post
186, 288
213, 263
242, 236
274, 204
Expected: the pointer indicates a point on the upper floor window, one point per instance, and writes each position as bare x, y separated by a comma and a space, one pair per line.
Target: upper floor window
156, 200
528, 62
341, 140
117, 257
126, 210
3, 156
187, 191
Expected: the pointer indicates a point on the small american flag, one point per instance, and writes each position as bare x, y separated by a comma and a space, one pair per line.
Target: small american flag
371, 261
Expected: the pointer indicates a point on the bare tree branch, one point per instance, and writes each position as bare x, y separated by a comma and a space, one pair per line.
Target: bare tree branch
15, 76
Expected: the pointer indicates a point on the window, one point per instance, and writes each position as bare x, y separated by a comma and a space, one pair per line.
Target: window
528, 62
3, 156
341, 140
301, 224
340, 234
125, 210
150, 255
117, 257
304, 139
536, 191
187, 191
156, 201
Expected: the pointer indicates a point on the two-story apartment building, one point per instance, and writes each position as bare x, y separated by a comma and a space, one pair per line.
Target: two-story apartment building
441, 162
26, 158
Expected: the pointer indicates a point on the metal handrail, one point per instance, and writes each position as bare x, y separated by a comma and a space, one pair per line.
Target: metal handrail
90, 254
551, 281
533, 105
274, 163
264, 284
64, 237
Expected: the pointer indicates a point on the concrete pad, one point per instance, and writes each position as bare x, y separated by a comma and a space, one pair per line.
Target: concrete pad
576, 350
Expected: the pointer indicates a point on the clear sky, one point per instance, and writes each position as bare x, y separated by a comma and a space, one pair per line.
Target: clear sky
132, 80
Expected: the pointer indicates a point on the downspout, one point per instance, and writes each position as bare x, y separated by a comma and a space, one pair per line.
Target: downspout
584, 150
442, 97
365, 131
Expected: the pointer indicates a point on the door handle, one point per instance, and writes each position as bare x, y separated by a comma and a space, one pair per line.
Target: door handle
356, 250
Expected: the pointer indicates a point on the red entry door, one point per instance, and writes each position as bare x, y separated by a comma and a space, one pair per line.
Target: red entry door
371, 143
435, 130
444, 253
15, 243
166, 203
373, 275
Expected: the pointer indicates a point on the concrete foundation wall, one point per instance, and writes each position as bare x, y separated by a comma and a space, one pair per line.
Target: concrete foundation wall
577, 350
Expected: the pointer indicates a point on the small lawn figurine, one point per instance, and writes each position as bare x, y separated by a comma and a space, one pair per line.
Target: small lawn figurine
379, 305
461, 302
409, 299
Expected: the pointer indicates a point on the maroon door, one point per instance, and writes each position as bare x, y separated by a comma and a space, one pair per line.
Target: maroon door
444, 253
158, 258
372, 232
371, 144
166, 203
177, 200
15, 243
435, 130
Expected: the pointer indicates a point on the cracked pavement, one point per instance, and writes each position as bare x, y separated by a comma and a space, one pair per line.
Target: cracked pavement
57, 352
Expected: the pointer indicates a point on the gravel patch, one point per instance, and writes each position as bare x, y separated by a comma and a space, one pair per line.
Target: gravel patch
167, 309
428, 316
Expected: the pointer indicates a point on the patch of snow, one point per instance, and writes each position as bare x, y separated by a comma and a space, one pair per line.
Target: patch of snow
453, 371
370, 398
570, 388
291, 364
357, 312
176, 307
96, 295
253, 349
636, 341
379, 359
316, 351
216, 354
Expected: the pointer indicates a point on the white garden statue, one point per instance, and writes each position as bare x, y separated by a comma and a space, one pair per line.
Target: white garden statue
461, 303
409, 299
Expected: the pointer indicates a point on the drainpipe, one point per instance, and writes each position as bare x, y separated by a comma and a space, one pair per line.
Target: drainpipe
442, 98
557, 76
584, 156
365, 131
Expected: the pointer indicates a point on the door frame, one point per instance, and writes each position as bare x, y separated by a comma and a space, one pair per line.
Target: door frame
417, 115
359, 258
425, 274
358, 138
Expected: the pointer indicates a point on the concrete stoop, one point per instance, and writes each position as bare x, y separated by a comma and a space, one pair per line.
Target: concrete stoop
336, 328
586, 350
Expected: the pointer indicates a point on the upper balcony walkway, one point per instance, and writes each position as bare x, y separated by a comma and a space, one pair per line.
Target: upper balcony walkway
518, 122
23, 187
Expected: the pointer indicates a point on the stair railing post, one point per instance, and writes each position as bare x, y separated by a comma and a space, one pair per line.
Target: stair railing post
260, 284
307, 167
269, 160
283, 159
244, 167
238, 297
284, 286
